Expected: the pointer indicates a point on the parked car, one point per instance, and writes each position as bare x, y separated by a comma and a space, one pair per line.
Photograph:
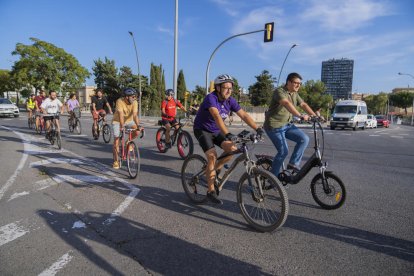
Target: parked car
7, 108
371, 121
382, 121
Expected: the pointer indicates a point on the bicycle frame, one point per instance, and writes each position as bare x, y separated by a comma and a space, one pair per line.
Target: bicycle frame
174, 135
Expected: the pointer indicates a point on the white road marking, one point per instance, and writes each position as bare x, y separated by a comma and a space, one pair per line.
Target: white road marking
58, 265
81, 178
45, 183
79, 224
16, 195
56, 161
397, 137
12, 178
75, 135
11, 232
374, 135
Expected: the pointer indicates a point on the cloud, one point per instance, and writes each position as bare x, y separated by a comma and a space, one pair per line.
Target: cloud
167, 31
333, 15
227, 6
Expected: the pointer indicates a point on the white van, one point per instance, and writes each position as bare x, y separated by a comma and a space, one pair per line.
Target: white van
349, 114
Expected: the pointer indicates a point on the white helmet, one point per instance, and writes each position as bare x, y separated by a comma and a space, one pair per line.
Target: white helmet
223, 78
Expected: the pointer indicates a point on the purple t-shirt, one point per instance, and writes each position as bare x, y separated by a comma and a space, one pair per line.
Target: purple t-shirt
72, 104
205, 121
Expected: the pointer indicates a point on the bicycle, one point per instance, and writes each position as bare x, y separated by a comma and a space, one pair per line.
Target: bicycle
184, 140
129, 152
327, 189
103, 127
74, 122
53, 135
262, 199
31, 121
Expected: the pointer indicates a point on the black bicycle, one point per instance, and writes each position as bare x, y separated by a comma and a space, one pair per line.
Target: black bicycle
53, 135
327, 189
262, 199
184, 140
102, 126
74, 122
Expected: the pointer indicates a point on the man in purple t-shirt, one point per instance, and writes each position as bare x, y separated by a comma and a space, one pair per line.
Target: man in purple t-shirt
210, 130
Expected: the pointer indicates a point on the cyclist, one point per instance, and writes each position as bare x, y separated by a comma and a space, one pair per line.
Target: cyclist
210, 130
31, 104
126, 115
98, 104
39, 99
71, 104
51, 105
168, 113
278, 124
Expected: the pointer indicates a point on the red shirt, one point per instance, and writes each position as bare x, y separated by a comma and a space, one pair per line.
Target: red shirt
170, 108
39, 100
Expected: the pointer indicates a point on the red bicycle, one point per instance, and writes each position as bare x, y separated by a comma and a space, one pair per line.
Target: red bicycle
129, 152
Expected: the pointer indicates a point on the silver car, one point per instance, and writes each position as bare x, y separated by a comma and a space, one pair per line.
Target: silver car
7, 108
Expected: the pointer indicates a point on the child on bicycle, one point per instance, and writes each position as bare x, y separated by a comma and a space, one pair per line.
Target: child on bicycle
210, 130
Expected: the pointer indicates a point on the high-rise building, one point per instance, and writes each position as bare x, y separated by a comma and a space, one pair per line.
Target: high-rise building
337, 76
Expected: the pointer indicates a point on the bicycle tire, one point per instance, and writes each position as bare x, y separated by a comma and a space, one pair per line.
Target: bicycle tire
133, 159
336, 195
30, 123
78, 126
70, 125
106, 133
58, 140
185, 144
160, 140
193, 178
254, 207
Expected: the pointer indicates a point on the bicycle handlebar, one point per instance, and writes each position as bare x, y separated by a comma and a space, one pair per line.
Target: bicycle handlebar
246, 136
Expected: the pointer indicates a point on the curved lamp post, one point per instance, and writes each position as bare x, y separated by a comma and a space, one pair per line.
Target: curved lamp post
139, 76
281, 69
412, 111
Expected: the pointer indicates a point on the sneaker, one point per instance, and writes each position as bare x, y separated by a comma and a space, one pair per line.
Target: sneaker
292, 167
212, 196
168, 145
116, 165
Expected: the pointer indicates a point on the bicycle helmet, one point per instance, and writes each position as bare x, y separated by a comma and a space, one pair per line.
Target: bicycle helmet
169, 92
222, 79
129, 91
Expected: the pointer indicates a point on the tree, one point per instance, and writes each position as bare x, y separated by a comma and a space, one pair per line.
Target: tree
402, 100
5, 81
106, 78
313, 93
377, 104
45, 65
156, 87
198, 94
181, 87
261, 91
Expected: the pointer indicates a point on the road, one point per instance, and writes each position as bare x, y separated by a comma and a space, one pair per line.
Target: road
67, 212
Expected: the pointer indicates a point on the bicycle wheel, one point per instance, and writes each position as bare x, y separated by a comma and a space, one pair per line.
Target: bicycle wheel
77, 127
194, 179
30, 122
185, 144
264, 212
70, 125
52, 137
332, 198
133, 159
106, 133
58, 140
160, 139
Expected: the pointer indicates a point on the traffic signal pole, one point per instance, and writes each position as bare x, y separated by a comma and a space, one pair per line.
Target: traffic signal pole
268, 37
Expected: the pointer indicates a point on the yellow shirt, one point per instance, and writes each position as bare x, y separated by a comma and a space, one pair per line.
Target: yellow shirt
30, 103
125, 109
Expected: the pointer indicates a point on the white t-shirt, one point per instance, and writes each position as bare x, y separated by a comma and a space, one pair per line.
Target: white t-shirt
51, 106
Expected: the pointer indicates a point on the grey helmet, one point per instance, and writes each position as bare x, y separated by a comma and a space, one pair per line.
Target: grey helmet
222, 79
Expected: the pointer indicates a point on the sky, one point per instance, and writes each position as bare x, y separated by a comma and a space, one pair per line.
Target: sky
377, 34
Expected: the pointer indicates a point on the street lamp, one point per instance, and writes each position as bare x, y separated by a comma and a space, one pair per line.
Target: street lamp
412, 109
281, 69
139, 76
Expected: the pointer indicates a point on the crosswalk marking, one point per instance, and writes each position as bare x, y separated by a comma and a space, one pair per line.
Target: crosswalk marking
58, 265
12, 231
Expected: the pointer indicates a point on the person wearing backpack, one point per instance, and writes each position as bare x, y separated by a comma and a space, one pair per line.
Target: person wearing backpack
168, 113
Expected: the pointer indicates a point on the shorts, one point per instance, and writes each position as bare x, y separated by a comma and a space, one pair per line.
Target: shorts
207, 140
95, 115
50, 117
172, 122
117, 130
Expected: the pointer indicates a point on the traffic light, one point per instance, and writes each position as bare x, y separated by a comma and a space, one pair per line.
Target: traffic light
268, 32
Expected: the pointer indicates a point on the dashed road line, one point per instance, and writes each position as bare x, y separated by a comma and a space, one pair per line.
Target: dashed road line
58, 265
12, 231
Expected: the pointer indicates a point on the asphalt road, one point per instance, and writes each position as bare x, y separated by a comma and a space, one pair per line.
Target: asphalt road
67, 212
